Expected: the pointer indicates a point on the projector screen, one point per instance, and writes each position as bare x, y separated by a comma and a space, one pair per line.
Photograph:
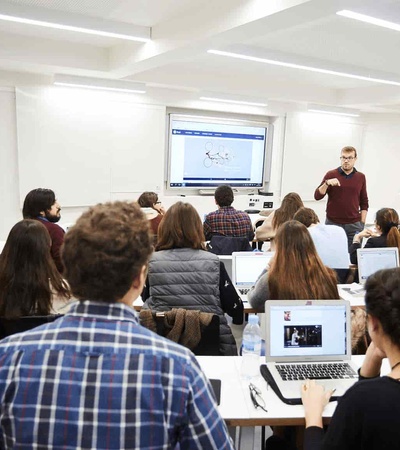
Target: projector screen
206, 152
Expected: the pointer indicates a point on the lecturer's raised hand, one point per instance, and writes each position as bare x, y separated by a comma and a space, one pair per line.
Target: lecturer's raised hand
314, 398
332, 182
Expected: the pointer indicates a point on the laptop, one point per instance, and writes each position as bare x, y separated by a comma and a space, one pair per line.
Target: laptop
370, 260
246, 268
309, 339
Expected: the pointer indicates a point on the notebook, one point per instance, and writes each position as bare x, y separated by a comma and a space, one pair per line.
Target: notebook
370, 260
309, 339
246, 268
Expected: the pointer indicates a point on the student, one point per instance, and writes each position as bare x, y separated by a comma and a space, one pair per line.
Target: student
296, 271
367, 416
291, 203
183, 275
95, 378
29, 279
41, 204
150, 200
387, 235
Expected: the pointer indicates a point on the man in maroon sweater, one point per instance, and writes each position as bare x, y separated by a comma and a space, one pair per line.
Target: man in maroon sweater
41, 204
347, 195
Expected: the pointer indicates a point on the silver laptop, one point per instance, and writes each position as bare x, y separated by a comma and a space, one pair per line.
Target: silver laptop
370, 260
309, 339
246, 268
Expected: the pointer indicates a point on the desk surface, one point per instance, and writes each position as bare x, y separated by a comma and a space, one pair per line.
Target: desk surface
236, 407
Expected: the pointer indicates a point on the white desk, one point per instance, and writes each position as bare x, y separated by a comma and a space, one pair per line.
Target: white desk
236, 407
355, 299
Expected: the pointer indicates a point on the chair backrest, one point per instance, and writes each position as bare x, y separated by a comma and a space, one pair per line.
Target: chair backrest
209, 343
13, 326
226, 245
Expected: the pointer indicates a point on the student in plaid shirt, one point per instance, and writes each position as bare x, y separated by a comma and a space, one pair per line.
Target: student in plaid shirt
96, 379
227, 221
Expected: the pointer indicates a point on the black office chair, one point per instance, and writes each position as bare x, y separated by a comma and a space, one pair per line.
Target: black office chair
209, 342
226, 245
13, 326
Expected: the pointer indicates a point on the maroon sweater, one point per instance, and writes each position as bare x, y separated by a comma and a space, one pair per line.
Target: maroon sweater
347, 200
57, 239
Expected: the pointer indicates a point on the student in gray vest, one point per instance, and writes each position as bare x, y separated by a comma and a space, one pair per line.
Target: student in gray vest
183, 275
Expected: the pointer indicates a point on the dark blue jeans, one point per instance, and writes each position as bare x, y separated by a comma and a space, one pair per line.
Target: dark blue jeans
351, 229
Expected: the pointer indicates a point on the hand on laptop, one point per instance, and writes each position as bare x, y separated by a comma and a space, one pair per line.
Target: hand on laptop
314, 398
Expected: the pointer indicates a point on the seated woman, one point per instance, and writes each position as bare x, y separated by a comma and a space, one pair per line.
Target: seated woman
388, 235
150, 200
291, 203
183, 275
29, 279
296, 271
367, 416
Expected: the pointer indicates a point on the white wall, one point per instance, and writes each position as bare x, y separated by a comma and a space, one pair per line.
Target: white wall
378, 158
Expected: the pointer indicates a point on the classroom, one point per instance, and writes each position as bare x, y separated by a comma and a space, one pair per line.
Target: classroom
90, 115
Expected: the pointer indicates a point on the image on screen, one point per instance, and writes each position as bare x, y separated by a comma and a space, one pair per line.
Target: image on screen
302, 336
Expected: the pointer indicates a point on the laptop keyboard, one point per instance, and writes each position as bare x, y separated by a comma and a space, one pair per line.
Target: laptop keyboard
290, 372
244, 291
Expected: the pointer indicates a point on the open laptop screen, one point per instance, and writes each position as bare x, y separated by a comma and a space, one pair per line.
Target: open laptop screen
300, 331
370, 260
247, 267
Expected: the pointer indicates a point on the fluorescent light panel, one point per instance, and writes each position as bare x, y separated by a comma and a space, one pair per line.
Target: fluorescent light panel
239, 102
322, 109
302, 67
100, 84
369, 19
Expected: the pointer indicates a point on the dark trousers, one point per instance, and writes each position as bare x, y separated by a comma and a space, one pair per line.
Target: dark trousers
351, 229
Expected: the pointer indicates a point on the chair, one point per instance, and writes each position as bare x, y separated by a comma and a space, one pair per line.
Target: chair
226, 245
13, 326
209, 341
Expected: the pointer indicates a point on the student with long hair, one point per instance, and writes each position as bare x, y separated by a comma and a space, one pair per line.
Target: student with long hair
182, 274
291, 203
388, 235
29, 278
367, 416
296, 271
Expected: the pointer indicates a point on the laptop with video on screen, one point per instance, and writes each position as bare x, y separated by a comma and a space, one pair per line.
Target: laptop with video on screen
309, 339
246, 268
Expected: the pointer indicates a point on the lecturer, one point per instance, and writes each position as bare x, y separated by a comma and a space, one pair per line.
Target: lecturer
347, 195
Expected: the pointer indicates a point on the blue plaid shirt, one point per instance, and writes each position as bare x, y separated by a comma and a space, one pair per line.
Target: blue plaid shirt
96, 379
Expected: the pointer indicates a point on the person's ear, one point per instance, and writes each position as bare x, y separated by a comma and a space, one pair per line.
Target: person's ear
373, 324
42, 213
139, 281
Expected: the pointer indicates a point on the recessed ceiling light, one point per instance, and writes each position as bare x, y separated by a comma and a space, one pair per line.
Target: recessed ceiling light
302, 67
239, 102
100, 84
369, 19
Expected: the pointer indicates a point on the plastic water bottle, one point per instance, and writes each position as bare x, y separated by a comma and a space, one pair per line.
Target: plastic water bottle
251, 348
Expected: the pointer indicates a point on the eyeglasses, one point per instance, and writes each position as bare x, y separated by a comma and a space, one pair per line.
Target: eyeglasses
347, 158
157, 203
255, 395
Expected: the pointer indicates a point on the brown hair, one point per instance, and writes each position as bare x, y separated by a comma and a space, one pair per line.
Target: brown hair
105, 251
297, 271
306, 216
349, 149
147, 199
181, 227
28, 276
224, 195
388, 221
290, 205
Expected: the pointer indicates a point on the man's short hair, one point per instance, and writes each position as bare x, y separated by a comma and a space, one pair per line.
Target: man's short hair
148, 199
224, 195
36, 201
349, 149
105, 250
306, 216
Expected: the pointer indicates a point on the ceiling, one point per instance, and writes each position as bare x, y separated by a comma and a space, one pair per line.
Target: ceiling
176, 67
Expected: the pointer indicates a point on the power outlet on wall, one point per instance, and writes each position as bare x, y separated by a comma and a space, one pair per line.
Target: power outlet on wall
268, 204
